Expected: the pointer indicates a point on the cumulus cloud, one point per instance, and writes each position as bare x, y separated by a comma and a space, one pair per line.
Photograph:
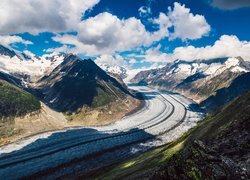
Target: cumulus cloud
41, 16
155, 55
7, 40
112, 60
107, 34
230, 4
226, 46
187, 25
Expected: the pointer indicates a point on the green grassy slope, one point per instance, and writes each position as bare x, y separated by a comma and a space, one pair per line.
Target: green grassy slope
217, 148
14, 102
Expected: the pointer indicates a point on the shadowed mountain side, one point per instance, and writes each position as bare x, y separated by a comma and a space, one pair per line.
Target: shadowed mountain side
239, 86
10, 79
217, 148
76, 83
6, 52
198, 79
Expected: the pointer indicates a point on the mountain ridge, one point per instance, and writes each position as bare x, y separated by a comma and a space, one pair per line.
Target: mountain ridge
46, 77
198, 79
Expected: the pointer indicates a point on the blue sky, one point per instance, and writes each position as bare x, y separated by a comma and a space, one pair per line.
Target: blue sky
129, 33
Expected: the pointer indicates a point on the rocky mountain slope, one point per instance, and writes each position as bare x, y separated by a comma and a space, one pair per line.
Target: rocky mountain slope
198, 79
76, 83
63, 82
82, 91
238, 86
6, 52
218, 148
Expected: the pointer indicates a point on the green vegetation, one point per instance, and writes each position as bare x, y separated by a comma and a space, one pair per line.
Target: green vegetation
14, 102
197, 154
144, 163
102, 98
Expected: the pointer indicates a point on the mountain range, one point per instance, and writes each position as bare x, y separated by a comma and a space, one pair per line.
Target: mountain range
217, 147
201, 80
63, 82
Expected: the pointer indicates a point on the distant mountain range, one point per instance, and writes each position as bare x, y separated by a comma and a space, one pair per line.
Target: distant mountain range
201, 80
114, 69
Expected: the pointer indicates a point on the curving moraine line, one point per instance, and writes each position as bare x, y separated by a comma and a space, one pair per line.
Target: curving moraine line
26, 155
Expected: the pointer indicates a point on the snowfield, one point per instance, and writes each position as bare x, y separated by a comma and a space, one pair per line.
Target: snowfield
32, 67
164, 118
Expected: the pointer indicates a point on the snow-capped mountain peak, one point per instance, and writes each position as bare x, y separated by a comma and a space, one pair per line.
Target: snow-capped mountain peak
114, 69
23, 64
180, 70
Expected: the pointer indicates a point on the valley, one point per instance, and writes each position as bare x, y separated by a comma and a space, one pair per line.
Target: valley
81, 120
218, 147
150, 127
75, 119
211, 83
127, 90
69, 91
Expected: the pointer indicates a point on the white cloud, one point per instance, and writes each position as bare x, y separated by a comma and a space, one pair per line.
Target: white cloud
144, 11
164, 24
107, 34
7, 40
41, 16
155, 55
29, 53
226, 46
112, 60
187, 25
